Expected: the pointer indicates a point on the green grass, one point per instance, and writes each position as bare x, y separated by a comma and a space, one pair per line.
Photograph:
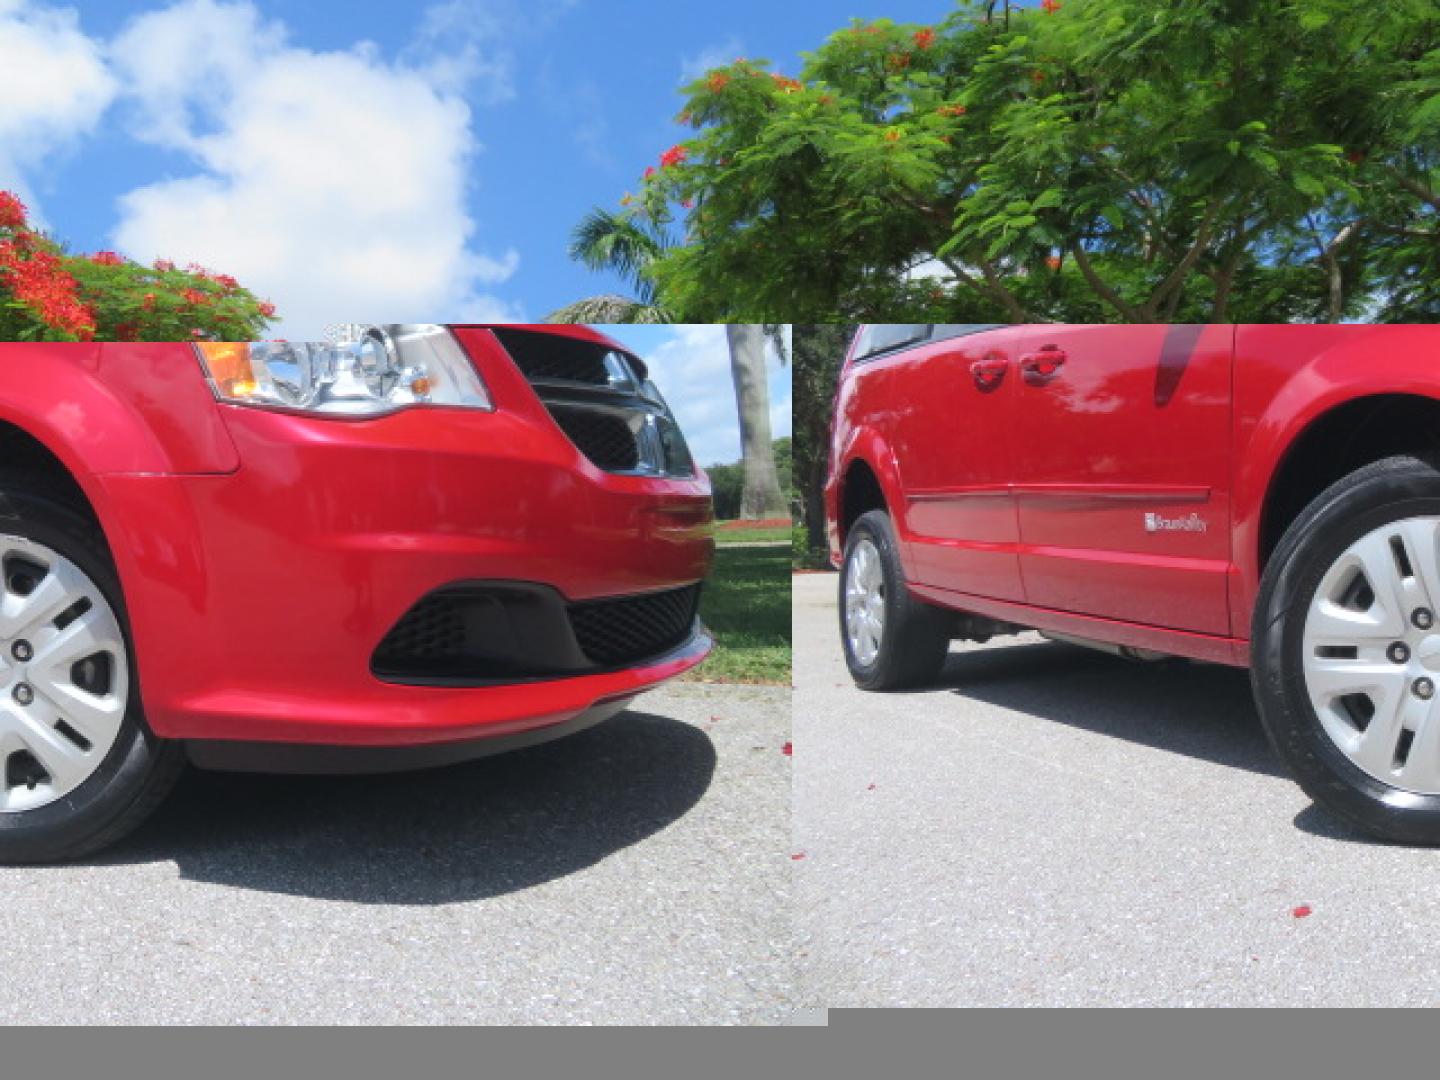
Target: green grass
746, 605
779, 535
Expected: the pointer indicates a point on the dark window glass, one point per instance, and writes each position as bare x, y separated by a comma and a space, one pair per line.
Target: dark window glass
942, 331
887, 337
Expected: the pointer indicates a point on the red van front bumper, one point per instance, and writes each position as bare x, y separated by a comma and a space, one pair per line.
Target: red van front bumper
257, 599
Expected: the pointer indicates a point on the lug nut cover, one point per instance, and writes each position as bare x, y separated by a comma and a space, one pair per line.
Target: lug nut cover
1423, 619
22, 651
1399, 653
1424, 689
24, 695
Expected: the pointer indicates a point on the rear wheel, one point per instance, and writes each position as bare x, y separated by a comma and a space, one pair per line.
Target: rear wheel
892, 639
1347, 650
78, 767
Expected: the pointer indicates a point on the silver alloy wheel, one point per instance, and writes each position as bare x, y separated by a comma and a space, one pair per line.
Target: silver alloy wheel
64, 676
865, 601
1372, 654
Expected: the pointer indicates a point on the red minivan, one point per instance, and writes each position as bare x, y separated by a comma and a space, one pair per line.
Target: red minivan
418, 544
1260, 496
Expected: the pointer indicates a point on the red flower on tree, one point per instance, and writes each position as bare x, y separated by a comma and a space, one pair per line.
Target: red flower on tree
1049, 6
717, 81
12, 211
674, 156
48, 295
38, 281
924, 38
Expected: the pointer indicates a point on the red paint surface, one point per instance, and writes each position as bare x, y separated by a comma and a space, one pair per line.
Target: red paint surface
1027, 501
264, 555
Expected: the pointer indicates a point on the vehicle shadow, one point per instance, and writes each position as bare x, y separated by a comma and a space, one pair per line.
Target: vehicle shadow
1203, 711
465, 832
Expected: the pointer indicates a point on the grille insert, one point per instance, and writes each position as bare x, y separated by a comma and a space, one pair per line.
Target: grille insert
432, 630
554, 357
612, 632
601, 435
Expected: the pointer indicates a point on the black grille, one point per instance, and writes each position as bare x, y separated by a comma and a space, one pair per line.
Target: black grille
602, 436
553, 356
432, 631
633, 628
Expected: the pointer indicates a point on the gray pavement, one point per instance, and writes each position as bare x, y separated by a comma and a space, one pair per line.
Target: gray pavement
1053, 826
635, 873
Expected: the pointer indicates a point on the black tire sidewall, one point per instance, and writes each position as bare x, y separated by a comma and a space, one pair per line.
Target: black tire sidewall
878, 533
914, 641
69, 823
1368, 501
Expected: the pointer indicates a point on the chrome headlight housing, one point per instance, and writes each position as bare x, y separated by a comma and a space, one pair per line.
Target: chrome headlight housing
370, 371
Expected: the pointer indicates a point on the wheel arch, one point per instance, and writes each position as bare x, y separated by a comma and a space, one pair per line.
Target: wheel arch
1344, 437
869, 480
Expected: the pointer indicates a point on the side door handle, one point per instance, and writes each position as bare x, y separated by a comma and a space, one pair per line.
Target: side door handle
1042, 365
989, 372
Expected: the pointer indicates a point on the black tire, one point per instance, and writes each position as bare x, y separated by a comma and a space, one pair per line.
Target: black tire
916, 636
140, 769
1387, 491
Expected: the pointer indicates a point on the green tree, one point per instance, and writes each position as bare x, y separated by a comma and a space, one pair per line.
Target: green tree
819, 352
1137, 160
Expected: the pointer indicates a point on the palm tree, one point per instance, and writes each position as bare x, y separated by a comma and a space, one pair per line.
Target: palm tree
760, 496
605, 240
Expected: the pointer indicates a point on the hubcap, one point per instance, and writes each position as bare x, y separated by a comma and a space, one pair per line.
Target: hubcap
64, 676
865, 602
1372, 654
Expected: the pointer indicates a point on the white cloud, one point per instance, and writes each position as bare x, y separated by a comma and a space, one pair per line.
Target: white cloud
712, 56
332, 182
53, 89
692, 369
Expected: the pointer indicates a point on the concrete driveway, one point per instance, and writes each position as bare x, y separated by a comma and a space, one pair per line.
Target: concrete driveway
1053, 826
635, 873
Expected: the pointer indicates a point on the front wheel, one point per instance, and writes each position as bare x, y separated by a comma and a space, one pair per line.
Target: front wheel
892, 639
1347, 650
78, 766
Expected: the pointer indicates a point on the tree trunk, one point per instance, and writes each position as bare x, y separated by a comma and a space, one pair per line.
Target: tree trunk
761, 496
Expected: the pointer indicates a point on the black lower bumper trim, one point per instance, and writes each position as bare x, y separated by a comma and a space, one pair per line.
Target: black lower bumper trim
487, 633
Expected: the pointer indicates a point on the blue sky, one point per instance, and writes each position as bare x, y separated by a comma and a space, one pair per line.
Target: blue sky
367, 161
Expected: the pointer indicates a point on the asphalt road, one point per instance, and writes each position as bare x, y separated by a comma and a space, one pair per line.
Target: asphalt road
634, 873
1053, 826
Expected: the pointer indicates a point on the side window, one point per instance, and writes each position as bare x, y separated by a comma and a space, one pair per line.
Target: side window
943, 331
880, 338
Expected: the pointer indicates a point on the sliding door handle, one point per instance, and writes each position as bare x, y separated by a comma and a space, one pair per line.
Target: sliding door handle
990, 372
1044, 364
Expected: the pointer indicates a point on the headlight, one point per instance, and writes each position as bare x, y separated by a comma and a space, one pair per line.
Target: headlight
379, 370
